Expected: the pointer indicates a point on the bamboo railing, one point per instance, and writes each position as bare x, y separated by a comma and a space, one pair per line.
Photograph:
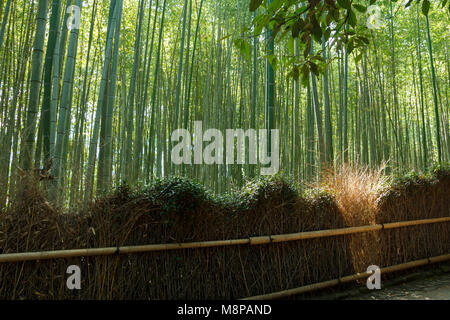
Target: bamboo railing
58, 254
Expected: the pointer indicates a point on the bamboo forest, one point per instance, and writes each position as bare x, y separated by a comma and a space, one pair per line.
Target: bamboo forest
140, 109
96, 106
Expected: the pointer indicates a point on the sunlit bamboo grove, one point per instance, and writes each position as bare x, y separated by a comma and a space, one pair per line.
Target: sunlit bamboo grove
87, 109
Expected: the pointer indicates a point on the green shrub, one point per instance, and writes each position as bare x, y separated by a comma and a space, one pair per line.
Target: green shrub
177, 194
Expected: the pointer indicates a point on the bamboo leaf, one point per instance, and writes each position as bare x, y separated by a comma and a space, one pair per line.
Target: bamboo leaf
352, 18
307, 48
275, 5
316, 29
255, 4
297, 27
314, 68
360, 7
346, 4
305, 74
425, 7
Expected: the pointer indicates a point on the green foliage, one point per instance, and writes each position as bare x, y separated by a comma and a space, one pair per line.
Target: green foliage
318, 195
254, 4
425, 7
243, 46
310, 23
176, 194
415, 178
269, 189
440, 170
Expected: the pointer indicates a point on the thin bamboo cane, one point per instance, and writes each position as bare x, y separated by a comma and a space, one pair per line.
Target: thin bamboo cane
44, 255
357, 276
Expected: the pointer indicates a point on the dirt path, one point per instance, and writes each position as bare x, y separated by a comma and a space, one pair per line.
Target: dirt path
431, 288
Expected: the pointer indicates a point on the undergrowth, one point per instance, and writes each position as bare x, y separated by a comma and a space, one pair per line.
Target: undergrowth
355, 189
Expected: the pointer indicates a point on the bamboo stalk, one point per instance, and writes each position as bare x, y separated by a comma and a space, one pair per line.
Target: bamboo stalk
357, 276
57, 254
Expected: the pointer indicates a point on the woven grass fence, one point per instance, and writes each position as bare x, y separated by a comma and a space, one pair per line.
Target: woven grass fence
218, 272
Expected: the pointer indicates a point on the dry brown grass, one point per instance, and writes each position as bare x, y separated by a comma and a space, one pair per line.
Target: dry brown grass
356, 190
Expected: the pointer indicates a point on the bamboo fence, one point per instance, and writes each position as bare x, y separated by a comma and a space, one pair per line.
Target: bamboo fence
356, 276
259, 240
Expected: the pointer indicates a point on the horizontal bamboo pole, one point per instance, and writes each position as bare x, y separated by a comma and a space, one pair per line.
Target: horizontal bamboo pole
57, 254
357, 276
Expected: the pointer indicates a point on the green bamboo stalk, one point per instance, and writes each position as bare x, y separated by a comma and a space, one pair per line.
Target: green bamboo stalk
422, 103
327, 111
270, 88
130, 169
48, 67
115, 9
64, 111
153, 101
436, 109
180, 66
4, 22
36, 80
110, 106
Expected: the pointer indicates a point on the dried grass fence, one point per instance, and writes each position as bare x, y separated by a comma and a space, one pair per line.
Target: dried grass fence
225, 272
350, 278
260, 240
